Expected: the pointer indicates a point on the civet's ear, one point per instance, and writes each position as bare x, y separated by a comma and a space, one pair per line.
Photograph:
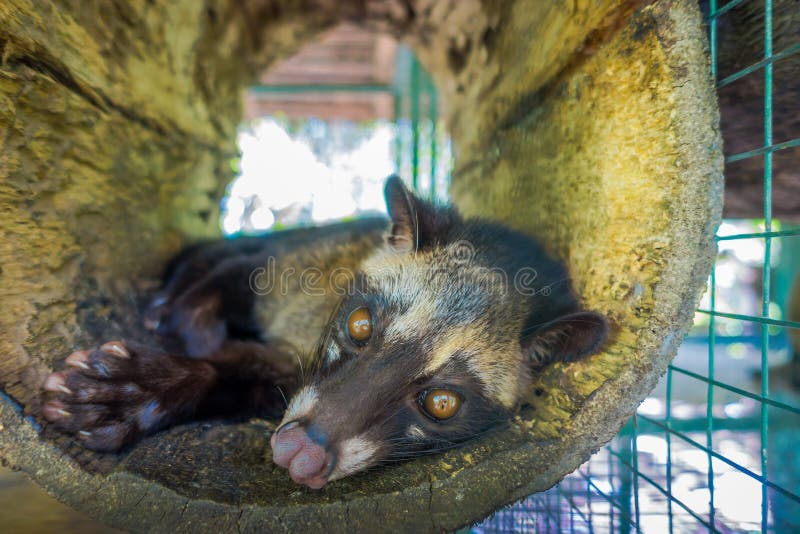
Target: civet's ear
566, 339
404, 234
416, 223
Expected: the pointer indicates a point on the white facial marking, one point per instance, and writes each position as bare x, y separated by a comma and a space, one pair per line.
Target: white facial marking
354, 455
333, 352
301, 404
416, 432
419, 313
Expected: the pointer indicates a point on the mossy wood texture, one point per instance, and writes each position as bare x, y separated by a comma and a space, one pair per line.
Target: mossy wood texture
591, 125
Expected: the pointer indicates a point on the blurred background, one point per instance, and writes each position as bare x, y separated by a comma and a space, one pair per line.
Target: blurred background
324, 129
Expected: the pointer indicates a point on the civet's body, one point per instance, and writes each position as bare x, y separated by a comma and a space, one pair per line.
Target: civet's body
390, 337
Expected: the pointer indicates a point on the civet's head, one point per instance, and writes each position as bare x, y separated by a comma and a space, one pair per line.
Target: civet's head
439, 342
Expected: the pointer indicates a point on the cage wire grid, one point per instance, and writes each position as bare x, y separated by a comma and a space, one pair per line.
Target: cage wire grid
606, 493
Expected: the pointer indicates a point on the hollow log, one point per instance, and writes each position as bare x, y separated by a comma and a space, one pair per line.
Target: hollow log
591, 125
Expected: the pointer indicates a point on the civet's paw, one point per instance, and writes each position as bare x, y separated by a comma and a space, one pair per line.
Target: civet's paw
112, 396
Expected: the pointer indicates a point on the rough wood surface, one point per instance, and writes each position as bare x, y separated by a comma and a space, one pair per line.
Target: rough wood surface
591, 125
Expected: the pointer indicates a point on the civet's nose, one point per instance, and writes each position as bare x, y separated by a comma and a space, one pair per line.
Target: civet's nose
308, 462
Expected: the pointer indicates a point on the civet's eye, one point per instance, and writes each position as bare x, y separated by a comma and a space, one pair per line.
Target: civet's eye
440, 404
359, 325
